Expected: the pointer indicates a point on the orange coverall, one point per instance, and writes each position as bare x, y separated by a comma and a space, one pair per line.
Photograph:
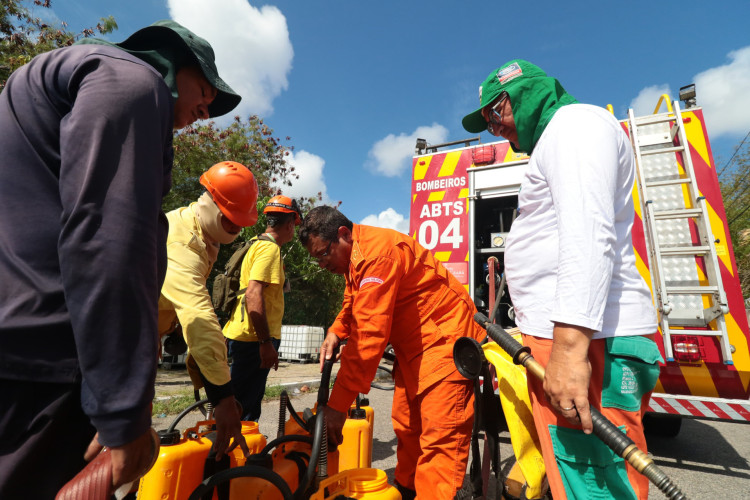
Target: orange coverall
397, 292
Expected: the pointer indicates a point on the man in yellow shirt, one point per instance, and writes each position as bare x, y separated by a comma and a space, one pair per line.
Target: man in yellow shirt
254, 329
195, 234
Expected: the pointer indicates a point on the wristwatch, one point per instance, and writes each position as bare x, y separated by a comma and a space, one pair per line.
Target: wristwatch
261, 342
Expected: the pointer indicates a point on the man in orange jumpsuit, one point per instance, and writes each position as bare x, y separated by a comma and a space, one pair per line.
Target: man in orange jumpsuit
398, 293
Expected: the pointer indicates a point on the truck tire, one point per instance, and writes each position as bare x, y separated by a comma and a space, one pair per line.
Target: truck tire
662, 425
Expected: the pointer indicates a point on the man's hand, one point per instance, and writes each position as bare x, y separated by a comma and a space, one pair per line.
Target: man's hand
334, 424
269, 357
228, 427
568, 374
327, 348
129, 461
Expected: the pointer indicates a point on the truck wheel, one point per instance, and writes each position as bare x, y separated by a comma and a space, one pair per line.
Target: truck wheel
662, 425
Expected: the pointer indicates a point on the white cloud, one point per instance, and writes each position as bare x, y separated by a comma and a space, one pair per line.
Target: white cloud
252, 47
391, 155
647, 99
724, 94
388, 218
309, 167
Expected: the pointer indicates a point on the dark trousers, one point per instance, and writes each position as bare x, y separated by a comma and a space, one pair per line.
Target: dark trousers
248, 378
43, 436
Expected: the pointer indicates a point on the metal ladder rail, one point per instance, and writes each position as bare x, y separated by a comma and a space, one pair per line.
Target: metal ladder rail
703, 225
700, 216
658, 282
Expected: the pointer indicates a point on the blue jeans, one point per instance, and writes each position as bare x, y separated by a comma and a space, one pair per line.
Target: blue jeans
248, 378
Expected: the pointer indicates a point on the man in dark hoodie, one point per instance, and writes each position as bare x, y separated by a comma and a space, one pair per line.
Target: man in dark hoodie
580, 302
86, 141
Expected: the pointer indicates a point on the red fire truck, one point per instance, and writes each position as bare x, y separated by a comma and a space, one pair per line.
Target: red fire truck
464, 197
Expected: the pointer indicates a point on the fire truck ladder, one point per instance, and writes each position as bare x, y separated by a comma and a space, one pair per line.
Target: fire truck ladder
688, 303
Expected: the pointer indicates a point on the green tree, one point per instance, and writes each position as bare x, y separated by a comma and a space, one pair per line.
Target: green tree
316, 295
23, 36
734, 178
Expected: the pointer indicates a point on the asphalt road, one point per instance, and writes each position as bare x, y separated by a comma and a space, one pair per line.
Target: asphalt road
706, 460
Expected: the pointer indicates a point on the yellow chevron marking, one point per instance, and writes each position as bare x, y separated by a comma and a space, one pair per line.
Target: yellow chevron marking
637, 201
467, 257
442, 256
659, 388
703, 280
436, 196
687, 200
463, 194
644, 271
420, 169
414, 197
694, 131
511, 155
449, 164
698, 379
719, 230
740, 356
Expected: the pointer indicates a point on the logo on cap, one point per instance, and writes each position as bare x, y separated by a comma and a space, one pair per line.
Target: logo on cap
509, 73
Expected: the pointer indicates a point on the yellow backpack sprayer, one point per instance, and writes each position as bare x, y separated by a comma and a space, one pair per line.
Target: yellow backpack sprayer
295, 465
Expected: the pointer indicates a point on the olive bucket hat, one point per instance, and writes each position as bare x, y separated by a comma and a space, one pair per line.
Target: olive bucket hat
188, 45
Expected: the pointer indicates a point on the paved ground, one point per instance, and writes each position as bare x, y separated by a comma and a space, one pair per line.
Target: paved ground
706, 460
290, 374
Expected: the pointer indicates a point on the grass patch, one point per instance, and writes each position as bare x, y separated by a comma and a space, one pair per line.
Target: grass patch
174, 404
179, 400
273, 391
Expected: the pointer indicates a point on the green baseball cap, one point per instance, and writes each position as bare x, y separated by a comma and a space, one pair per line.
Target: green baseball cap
500, 80
190, 44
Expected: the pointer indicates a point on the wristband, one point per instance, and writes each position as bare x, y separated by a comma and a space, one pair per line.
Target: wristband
261, 342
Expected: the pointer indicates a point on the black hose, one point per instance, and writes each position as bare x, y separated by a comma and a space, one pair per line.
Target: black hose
208, 485
325, 381
315, 452
302, 423
291, 438
378, 385
282, 414
185, 412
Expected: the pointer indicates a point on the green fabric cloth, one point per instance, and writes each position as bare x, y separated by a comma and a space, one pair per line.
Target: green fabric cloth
168, 46
534, 98
164, 59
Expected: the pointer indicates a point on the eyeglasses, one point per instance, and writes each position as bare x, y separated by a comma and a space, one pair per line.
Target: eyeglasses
324, 254
495, 116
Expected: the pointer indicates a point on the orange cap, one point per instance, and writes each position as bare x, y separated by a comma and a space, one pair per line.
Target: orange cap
285, 204
234, 190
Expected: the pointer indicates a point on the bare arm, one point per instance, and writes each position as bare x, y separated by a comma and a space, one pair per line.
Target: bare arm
568, 374
256, 311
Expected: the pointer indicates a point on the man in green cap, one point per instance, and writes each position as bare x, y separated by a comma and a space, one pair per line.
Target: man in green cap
86, 140
579, 300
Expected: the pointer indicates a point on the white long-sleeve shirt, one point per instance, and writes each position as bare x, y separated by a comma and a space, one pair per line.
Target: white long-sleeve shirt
569, 256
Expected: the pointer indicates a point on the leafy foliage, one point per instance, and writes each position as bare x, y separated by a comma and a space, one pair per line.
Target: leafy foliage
316, 295
23, 36
735, 189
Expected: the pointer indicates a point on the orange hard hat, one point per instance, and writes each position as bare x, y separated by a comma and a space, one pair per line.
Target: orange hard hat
234, 190
285, 204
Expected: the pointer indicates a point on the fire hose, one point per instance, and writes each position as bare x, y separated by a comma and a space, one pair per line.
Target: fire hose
471, 355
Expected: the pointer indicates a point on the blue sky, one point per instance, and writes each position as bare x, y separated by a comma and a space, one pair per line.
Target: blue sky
354, 83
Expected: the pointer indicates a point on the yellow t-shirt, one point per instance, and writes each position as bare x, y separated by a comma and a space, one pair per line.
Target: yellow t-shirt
261, 263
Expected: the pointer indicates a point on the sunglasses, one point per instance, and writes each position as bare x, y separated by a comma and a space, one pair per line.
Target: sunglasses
495, 116
324, 254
